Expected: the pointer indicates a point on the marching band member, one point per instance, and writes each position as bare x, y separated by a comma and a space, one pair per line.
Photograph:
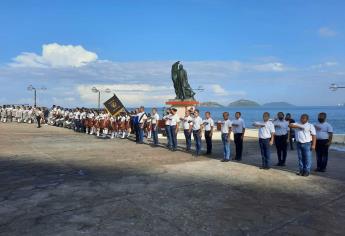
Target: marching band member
174, 127
167, 127
197, 131
142, 118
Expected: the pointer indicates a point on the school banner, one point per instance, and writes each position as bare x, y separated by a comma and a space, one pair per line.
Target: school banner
114, 106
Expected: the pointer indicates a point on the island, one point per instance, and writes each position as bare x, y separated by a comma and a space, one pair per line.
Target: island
244, 103
210, 104
278, 104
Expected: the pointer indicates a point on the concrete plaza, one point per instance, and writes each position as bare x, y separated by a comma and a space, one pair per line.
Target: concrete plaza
57, 182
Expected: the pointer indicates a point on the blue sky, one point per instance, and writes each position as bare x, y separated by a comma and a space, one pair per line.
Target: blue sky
261, 50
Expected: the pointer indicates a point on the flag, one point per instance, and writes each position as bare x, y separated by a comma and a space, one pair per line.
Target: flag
114, 106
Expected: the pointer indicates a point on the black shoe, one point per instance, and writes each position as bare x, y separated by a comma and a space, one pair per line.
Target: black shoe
225, 160
300, 173
278, 164
317, 169
306, 174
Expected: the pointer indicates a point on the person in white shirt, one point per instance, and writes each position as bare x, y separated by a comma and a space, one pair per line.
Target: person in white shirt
142, 117
266, 139
77, 120
226, 128
187, 122
174, 127
238, 128
154, 126
208, 125
38, 115
282, 129
324, 136
197, 131
166, 118
306, 140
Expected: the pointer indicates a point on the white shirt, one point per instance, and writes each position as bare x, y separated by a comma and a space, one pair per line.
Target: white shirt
187, 120
225, 125
281, 127
197, 122
304, 133
174, 119
77, 115
323, 130
240, 125
142, 117
208, 123
155, 119
167, 119
266, 130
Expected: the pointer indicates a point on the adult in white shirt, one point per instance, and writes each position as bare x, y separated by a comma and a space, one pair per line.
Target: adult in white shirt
174, 126
239, 128
281, 137
154, 126
142, 117
266, 139
197, 131
187, 122
306, 140
208, 125
324, 136
226, 127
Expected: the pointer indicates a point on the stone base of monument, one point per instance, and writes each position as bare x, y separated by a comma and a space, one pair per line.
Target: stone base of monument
182, 105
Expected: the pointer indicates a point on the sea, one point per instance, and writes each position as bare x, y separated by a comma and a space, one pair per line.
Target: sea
335, 114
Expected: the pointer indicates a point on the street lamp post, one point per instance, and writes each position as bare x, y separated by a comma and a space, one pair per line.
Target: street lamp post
96, 90
32, 88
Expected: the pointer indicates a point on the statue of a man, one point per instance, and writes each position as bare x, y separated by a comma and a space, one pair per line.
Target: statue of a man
180, 79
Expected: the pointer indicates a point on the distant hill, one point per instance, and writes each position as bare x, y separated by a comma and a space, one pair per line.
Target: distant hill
244, 103
210, 104
278, 104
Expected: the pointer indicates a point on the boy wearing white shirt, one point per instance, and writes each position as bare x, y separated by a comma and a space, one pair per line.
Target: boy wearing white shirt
324, 135
187, 128
154, 126
266, 139
174, 126
142, 120
282, 129
238, 127
166, 118
226, 127
306, 140
197, 131
208, 124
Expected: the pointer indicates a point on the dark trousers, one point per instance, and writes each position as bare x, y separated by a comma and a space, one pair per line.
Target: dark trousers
322, 153
281, 145
38, 118
173, 136
155, 134
208, 140
292, 135
265, 152
136, 130
239, 145
168, 133
197, 140
188, 137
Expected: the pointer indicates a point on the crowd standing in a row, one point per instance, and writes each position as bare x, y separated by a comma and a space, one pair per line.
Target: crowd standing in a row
280, 131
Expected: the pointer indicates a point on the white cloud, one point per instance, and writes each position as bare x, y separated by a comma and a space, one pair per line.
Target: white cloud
270, 67
327, 32
219, 90
56, 56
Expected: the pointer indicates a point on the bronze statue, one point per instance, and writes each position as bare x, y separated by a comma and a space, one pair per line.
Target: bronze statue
180, 79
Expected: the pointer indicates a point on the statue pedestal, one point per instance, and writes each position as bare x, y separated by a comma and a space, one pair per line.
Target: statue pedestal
182, 105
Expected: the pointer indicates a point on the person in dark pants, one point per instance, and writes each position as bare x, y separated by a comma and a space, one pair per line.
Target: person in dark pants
266, 139
136, 125
324, 136
174, 127
291, 134
154, 126
239, 128
208, 124
187, 129
142, 118
39, 115
281, 127
197, 132
166, 118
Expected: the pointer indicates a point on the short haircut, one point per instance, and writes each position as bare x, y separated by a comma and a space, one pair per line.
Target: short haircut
207, 112
281, 113
238, 112
266, 113
305, 115
225, 113
197, 110
323, 114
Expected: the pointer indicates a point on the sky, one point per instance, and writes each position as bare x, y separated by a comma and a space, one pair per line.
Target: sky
266, 51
